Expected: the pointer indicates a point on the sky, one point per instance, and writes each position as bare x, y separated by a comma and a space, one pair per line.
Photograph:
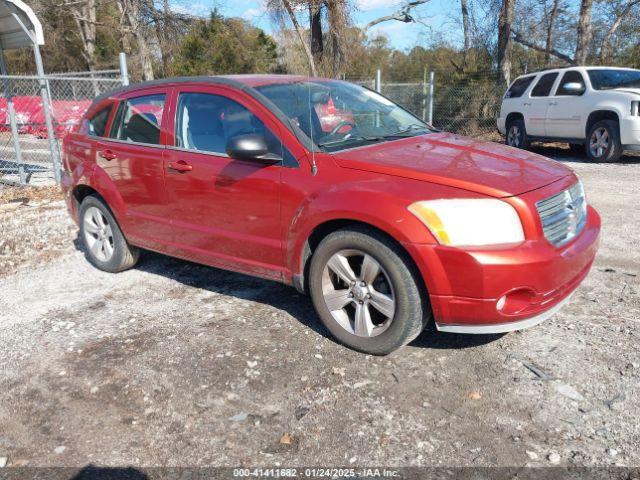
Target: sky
435, 15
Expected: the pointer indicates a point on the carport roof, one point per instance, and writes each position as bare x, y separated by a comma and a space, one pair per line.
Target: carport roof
19, 26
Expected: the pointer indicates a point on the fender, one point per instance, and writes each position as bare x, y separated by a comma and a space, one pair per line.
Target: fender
92, 175
386, 211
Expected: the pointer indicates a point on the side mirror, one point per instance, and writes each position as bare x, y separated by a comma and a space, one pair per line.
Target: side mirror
573, 87
251, 146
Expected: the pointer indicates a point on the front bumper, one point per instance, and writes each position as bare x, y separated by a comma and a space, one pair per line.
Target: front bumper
493, 290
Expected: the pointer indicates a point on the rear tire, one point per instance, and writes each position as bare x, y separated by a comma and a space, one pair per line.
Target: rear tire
517, 134
376, 300
105, 245
603, 142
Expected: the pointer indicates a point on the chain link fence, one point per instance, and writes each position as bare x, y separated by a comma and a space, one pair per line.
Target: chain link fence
27, 156
468, 105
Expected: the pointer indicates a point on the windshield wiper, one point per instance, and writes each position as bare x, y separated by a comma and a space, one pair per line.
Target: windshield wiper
354, 138
405, 132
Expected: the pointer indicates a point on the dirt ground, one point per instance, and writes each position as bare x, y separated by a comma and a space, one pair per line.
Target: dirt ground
176, 364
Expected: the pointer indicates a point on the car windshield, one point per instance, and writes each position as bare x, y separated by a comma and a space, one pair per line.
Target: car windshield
608, 79
336, 115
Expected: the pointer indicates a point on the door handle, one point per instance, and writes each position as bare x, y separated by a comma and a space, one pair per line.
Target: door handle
527, 104
180, 166
553, 103
108, 155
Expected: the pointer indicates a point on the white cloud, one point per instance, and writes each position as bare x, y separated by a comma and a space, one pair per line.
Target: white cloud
250, 13
365, 5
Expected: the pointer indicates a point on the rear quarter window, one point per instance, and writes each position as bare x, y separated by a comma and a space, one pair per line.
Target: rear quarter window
518, 87
97, 124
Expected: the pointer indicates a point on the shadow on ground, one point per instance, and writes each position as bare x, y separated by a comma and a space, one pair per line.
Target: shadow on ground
564, 154
276, 295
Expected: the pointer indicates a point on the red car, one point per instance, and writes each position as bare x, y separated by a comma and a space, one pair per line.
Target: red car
385, 222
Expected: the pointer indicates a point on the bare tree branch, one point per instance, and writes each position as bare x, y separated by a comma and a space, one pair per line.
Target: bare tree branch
518, 37
606, 48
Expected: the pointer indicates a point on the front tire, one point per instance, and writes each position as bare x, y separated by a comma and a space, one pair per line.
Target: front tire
603, 142
105, 245
366, 291
517, 134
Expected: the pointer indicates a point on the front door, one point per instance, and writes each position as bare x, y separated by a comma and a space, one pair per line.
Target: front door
567, 107
132, 157
536, 106
225, 211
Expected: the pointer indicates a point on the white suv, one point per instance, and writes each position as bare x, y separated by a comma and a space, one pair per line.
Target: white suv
593, 107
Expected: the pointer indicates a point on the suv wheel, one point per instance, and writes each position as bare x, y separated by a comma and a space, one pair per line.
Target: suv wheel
603, 144
365, 291
104, 242
517, 134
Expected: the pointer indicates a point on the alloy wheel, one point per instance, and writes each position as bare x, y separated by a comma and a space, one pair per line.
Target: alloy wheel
358, 292
513, 137
599, 142
98, 234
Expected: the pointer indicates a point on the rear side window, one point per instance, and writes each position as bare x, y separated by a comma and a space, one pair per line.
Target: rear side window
138, 119
544, 85
518, 87
206, 122
98, 123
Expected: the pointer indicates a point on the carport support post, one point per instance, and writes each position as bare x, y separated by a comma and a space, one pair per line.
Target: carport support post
46, 105
431, 85
12, 118
124, 71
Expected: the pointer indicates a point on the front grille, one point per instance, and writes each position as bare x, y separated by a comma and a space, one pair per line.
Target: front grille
563, 215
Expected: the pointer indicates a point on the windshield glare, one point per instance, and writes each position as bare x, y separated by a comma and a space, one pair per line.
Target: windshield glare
607, 79
336, 115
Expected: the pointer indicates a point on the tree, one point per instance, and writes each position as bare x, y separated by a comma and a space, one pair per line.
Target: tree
606, 49
504, 39
221, 45
466, 27
584, 32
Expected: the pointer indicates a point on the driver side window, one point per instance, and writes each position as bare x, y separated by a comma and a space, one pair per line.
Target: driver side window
206, 122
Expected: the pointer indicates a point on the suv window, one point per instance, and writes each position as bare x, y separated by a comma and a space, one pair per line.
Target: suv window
518, 87
98, 123
138, 119
571, 76
544, 85
206, 122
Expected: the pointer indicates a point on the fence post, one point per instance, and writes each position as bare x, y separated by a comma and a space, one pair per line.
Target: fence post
124, 71
378, 83
12, 119
431, 84
46, 105
424, 94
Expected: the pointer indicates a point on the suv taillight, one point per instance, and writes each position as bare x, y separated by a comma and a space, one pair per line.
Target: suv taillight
635, 108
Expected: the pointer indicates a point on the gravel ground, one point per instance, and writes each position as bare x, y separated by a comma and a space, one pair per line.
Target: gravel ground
176, 364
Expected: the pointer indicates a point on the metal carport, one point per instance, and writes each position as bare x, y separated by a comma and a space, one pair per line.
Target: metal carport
20, 28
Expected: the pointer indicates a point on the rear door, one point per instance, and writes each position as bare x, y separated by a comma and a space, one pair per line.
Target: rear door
536, 106
225, 211
567, 108
132, 157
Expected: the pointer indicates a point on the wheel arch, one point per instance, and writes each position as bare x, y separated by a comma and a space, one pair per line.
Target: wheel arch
327, 227
599, 115
511, 117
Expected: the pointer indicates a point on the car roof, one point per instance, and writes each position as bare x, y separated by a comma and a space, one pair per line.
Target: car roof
573, 67
242, 82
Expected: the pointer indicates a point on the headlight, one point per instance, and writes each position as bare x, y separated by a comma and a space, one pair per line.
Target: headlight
470, 221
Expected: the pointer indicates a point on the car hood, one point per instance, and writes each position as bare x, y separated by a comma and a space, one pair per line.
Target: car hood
447, 159
635, 91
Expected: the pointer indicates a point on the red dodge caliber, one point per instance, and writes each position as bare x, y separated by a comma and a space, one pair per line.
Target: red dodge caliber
387, 223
